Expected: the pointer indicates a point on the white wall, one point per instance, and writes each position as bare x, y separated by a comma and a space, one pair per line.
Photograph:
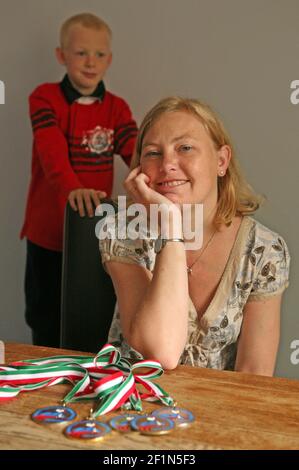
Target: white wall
238, 56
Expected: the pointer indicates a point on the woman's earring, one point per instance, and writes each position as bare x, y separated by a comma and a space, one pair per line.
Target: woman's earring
221, 173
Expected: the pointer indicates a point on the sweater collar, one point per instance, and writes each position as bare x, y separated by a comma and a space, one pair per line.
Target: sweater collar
71, 94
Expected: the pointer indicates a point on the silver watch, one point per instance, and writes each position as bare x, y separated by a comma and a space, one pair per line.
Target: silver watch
161, 242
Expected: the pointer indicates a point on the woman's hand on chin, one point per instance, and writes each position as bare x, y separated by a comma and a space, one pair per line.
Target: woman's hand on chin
138, 187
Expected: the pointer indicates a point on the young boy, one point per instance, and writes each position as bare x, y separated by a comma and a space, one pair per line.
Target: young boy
78, 126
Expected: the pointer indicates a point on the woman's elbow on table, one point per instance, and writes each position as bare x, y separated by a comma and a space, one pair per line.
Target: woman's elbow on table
168, 358
159, 346
169, 363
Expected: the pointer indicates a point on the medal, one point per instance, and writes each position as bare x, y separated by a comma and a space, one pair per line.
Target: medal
152, 425
180, 416
88, 429
53, 414
122, 423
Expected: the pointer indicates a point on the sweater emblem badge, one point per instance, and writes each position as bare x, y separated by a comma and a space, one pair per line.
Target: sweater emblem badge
98, 140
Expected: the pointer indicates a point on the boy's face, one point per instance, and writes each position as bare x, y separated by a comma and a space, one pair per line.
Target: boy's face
86, 54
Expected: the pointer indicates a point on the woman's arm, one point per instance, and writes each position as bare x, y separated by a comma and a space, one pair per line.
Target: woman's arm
259, 339
154, 308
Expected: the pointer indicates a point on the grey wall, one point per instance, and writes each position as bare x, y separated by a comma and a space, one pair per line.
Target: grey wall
238, 56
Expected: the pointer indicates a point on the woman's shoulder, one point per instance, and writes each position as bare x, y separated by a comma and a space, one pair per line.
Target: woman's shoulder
261, 234
268, 256
266, 247
122, 238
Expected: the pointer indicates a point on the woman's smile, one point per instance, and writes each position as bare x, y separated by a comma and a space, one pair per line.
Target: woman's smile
164, 186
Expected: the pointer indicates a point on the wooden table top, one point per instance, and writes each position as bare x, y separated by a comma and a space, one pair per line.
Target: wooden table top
233, 411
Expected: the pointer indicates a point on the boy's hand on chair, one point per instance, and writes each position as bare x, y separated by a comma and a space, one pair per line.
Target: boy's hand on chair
84, 200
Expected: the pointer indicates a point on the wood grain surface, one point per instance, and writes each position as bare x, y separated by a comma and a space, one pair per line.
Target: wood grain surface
233, 411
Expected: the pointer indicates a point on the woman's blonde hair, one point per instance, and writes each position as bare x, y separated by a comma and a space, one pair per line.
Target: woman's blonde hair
235, 195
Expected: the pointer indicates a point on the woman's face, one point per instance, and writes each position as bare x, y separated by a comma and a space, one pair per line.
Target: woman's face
180, 158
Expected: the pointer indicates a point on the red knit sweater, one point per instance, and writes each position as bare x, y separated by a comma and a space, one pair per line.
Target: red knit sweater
73, 147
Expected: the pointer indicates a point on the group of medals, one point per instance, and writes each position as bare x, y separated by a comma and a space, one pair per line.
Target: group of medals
107, 379
160, 421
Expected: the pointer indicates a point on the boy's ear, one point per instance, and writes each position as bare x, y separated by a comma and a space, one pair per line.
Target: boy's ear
60, 55
110, 59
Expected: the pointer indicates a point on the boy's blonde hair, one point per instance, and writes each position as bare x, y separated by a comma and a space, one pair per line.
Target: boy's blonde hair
88, 20
235, 196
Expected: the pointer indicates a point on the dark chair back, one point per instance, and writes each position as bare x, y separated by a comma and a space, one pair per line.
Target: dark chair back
88, 297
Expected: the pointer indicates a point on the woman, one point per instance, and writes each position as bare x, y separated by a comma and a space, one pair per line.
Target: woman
217, 306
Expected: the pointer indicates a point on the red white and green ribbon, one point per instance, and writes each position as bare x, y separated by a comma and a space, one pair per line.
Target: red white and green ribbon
107, 378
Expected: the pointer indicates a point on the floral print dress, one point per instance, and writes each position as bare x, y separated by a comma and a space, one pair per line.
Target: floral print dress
257, 268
